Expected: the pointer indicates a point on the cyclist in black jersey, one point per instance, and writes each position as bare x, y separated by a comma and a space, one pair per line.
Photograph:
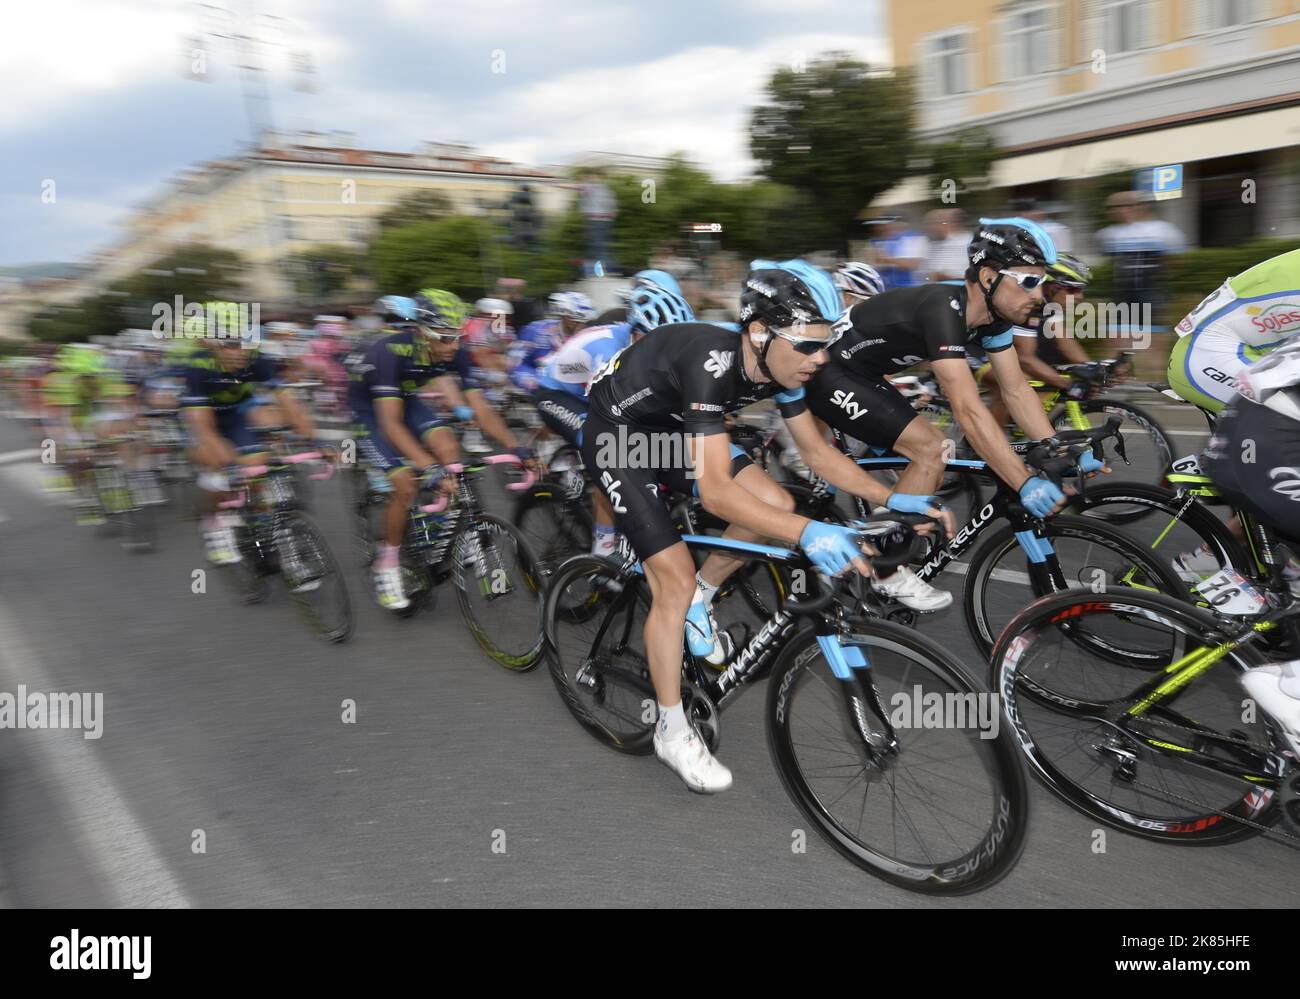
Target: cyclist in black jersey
1044, 344
656, 417
936, 323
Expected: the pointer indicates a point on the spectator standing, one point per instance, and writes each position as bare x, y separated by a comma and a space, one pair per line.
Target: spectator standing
898, 253
1138, 245
599, 209
948, 240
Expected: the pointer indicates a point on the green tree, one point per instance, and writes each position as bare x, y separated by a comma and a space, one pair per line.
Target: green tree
321, 271
417, 206
837, 132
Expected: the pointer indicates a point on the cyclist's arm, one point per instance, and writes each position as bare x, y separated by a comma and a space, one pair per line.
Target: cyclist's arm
1035, 367
723, 497
487, 417
390, 413
1072, 350
1022, 402
203, 421
983, 433
296, 413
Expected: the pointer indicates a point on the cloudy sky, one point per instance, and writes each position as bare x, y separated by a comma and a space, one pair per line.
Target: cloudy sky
99, 104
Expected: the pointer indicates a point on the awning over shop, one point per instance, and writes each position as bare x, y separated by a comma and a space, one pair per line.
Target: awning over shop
1180, 144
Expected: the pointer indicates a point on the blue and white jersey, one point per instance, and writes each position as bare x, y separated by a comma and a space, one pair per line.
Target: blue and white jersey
526, 354
570, 368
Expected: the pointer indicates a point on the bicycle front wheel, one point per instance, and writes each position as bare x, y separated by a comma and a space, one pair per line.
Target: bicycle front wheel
1090, 556
1147, 443
595, 617
1178, 765
946, 812
313, 577
499, 591
555, 526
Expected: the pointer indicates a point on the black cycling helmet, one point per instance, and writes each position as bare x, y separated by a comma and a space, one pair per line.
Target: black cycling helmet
1010, 242
1069, 271
777, 296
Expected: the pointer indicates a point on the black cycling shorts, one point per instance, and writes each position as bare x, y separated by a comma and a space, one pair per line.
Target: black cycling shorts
863, 406
631, 480
562, 413
1254, 459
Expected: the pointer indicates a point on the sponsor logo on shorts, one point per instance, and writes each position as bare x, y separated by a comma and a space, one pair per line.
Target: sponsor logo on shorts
845, 401
1286, 482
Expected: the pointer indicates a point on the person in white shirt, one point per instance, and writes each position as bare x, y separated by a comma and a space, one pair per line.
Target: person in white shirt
948, 240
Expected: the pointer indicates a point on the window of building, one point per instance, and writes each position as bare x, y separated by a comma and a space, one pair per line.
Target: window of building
1126, 25
946, 63
1217, 15
1028, 39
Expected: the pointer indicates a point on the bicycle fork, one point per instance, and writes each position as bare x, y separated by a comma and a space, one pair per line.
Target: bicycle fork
867, 716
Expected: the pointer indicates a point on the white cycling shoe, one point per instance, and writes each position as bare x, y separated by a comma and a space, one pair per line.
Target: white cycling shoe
388, 589
1196, 565
1271, 690
912, 591
221, 546
688, 757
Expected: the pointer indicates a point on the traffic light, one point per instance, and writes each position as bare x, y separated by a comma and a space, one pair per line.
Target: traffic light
525, 225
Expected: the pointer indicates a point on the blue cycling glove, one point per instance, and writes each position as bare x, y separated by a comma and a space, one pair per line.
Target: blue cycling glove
463, 413
522, 452
1089, 463
909, 503
1040, 495
831, 547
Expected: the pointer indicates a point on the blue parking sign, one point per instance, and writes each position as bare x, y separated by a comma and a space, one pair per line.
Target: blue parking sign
1167, 181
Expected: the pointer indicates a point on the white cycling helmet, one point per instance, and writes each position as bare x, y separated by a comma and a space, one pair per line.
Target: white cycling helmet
856, 278
571, 305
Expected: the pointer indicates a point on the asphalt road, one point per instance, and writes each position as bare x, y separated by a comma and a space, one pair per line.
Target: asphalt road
458, 784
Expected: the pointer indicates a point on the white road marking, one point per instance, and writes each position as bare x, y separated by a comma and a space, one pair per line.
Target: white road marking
134, 875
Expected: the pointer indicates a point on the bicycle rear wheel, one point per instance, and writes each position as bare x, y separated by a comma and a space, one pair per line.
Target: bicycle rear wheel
313, 578
499, 591
947, 812
1179, 770
555, 526
595, 650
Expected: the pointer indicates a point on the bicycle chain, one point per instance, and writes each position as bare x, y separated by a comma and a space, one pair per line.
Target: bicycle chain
1285, 792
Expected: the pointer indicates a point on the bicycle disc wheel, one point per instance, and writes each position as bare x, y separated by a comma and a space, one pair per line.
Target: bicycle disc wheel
499, 591
596, 651
1179, 771
554, 526
313, 578
1092, 556
944, 814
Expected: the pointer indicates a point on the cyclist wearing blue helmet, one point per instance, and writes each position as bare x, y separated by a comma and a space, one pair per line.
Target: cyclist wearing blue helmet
935, 323
657, 418
563, 376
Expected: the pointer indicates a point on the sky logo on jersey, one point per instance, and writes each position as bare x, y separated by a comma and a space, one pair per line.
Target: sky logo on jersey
718, 363
907, 360
1281, 317
845, 401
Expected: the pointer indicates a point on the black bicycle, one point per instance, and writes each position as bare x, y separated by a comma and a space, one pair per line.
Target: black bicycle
935, 809
498, 584
275, 537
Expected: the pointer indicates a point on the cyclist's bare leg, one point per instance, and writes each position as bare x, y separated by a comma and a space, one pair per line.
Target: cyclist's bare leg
717, 567
671, 575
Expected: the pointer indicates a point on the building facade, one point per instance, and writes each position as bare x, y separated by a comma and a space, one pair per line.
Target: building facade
1074, 89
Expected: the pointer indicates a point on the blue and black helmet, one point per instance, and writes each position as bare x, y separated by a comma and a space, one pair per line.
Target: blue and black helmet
787, 293
1011, 241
